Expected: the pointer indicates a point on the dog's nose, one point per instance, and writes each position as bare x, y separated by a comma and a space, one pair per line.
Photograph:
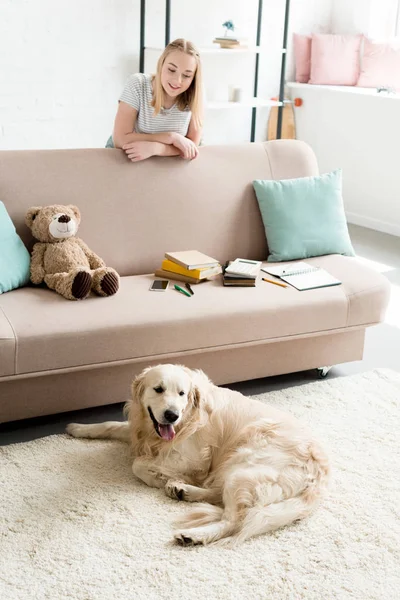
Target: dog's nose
64, 219
170, 416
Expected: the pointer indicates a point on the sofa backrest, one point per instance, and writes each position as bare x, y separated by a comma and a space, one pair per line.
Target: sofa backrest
132, 213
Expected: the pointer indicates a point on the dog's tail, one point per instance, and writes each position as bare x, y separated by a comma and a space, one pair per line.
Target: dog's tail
110, 430
264, 519
203, 514
257, 520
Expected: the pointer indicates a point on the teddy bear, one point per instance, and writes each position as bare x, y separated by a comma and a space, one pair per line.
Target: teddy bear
62, 260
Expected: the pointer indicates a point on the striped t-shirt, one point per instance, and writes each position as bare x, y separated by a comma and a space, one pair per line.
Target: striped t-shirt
138, 93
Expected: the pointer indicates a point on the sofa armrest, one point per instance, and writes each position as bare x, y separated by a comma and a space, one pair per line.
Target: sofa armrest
7, 346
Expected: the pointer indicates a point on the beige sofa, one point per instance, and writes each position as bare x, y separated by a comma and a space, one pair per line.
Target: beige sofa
57, 355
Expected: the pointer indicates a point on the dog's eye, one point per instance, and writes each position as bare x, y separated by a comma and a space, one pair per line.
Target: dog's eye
181, 393
159, 389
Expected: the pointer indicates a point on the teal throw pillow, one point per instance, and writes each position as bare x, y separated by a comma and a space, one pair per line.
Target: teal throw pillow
304, 217
14, 257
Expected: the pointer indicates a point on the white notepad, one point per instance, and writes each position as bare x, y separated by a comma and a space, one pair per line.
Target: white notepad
303, 276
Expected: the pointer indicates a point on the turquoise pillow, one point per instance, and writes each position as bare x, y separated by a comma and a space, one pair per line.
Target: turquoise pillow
14, 257
304, 217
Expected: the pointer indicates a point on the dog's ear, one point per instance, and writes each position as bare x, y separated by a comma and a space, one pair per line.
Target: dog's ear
195, 396
138, 386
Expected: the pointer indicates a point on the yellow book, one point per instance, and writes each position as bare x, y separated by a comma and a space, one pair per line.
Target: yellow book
168, 265
176, 276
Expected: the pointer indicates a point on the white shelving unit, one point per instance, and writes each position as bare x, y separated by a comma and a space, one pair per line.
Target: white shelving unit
250, 103
215, 50
253, 101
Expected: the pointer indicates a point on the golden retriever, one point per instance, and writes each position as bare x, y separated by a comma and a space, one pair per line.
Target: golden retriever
253, 467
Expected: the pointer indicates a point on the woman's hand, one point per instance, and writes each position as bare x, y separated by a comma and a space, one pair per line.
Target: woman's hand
186, 147
137, 151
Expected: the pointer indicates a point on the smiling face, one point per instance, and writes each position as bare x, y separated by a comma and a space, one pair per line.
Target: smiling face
165, 394
177, 73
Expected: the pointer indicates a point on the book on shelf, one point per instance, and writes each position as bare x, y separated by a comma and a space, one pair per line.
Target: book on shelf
169, 265
228, 38
230, 42
229, 279
178, 277
192, 259
302, 275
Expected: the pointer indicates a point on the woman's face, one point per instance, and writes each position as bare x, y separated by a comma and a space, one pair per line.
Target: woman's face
177, 73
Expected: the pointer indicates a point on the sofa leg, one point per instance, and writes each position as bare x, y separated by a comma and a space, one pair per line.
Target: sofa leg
323, 372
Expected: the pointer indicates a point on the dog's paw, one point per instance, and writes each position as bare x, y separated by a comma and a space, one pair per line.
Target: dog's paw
188, 538
76, 430
175, 490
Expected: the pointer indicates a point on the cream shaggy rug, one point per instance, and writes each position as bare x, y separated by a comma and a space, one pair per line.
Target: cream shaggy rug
74, 523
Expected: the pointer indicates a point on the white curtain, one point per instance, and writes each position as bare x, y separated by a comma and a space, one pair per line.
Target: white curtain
383, 18
378, 19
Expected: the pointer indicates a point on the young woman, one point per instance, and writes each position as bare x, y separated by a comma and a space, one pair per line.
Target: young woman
161, 114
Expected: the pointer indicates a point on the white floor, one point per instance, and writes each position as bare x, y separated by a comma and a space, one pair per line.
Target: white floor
382, 347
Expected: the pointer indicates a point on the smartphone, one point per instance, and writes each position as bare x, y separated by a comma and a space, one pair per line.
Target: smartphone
159, 285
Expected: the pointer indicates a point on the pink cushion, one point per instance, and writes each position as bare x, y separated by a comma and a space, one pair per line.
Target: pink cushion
335, 59
380, 65
302, 56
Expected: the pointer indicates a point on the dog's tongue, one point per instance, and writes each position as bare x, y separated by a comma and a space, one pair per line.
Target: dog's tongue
167, 432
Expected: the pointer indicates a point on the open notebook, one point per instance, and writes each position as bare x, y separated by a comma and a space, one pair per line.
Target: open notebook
302, 276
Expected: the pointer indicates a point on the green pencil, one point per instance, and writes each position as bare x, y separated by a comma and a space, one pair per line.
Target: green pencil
182, 290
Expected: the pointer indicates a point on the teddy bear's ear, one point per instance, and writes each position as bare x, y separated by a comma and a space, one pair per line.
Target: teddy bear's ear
31, 215
76, 211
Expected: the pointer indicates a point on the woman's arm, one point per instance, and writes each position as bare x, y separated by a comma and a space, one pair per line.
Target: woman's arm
194, 132
140, 146
137, 151
187, 146
124, 123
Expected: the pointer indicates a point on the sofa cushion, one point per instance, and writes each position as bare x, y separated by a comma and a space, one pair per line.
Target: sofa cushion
304, 217
14, 257
57, 334
172, 202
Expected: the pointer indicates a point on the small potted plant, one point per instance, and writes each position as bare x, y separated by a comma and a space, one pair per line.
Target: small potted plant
227, 41
228, 26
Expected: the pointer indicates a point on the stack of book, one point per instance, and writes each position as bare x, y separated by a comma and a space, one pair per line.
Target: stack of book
229, 42
241, 272
190, 266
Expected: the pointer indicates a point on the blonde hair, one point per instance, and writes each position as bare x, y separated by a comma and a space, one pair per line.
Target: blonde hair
193, 96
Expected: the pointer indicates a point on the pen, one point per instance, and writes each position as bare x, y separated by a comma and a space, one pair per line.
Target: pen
181, 290
274, 282
188, 287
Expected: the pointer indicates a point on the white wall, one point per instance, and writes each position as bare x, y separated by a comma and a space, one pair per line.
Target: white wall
63, 63
357, 131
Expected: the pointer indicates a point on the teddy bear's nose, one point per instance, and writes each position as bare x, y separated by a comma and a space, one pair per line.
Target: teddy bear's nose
64, 219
